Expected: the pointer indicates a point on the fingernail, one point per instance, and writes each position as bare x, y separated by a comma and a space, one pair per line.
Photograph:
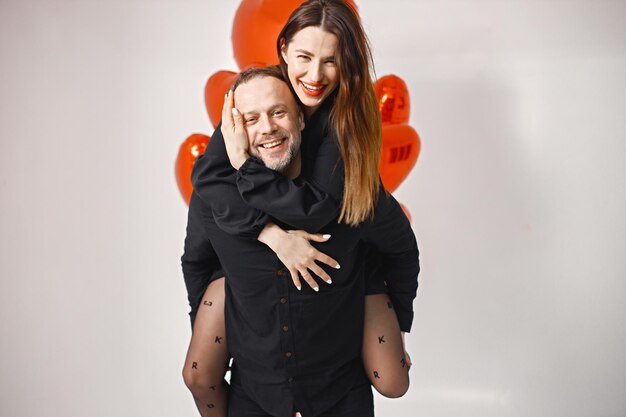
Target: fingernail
316, 289
326, 236
338, 266
299, 288
235, 112
330, 281
225, 96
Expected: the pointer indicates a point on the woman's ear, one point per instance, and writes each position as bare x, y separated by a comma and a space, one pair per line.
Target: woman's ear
283, 49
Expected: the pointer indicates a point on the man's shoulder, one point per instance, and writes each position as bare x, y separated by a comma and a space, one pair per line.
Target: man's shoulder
199, 208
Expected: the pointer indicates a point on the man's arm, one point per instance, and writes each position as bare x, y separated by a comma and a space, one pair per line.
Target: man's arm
390, 234
199, 262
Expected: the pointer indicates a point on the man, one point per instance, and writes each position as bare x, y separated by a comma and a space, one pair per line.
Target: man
297, 350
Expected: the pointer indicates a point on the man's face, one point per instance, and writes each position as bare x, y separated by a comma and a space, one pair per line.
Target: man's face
272, 120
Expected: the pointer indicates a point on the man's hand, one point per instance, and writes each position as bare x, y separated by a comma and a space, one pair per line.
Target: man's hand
235, 136
407, 358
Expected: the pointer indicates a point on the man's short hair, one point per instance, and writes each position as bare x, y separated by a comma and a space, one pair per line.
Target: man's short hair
252, 73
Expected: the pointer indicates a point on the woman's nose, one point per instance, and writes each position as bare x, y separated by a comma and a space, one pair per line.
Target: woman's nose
315, 72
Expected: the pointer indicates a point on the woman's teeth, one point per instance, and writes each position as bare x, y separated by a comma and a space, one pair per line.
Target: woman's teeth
311, 88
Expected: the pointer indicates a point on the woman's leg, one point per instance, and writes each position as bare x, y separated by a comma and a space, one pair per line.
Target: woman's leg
383, 350
207, 357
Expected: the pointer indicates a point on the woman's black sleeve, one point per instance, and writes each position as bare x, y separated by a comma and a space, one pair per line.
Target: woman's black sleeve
243, 200
214, 181
308, 202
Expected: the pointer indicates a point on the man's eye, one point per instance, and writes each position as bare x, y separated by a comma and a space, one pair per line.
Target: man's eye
279, 112
250, 120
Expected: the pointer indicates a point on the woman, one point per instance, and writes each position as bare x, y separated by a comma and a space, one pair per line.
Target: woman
325, 56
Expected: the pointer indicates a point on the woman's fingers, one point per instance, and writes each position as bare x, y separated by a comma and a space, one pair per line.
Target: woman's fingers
320, 273
237, 120
300, 258
316, 237
235, 136
322, 257
310, 280
295, 277
227, 110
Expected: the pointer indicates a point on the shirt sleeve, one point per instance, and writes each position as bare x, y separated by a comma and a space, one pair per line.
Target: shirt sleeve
390, 234
215, 182
308, 202
243, 201
199, 262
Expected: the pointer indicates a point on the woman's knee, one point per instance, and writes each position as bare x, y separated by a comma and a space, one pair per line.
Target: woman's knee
199, 383
392, 388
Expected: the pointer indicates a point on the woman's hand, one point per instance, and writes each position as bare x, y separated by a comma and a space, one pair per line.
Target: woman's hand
294, 250
235, 136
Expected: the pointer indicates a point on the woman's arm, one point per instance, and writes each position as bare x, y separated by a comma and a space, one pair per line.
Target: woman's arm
242, 200
308, 202
215, 183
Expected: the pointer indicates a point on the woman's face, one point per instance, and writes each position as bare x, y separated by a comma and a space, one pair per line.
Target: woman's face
313, 73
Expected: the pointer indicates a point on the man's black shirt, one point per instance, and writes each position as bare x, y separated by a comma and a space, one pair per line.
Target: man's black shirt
295, 347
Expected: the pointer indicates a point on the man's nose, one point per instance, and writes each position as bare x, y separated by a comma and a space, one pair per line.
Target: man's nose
267, 124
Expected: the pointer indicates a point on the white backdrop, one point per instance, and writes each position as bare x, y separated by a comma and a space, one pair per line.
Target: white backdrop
516, 201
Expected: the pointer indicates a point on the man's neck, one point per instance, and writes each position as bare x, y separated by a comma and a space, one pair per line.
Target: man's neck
293, 171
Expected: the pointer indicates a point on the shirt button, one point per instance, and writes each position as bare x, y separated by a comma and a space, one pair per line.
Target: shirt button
285, 328
290, 380
280, 272
283, 300
288, 354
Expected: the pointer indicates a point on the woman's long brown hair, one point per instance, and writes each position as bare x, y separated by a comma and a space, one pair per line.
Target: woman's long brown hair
355, 115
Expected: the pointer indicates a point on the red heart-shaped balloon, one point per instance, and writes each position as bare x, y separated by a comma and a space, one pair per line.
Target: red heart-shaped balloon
401, 147
256, 27
393, 99
189, 150
216, 87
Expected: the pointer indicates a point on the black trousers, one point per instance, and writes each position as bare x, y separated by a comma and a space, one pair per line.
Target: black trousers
359, 402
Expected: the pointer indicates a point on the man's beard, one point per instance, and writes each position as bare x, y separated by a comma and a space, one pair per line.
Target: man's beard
283, 164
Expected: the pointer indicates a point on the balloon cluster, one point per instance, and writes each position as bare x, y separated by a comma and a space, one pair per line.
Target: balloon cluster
256, 26
401, 143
